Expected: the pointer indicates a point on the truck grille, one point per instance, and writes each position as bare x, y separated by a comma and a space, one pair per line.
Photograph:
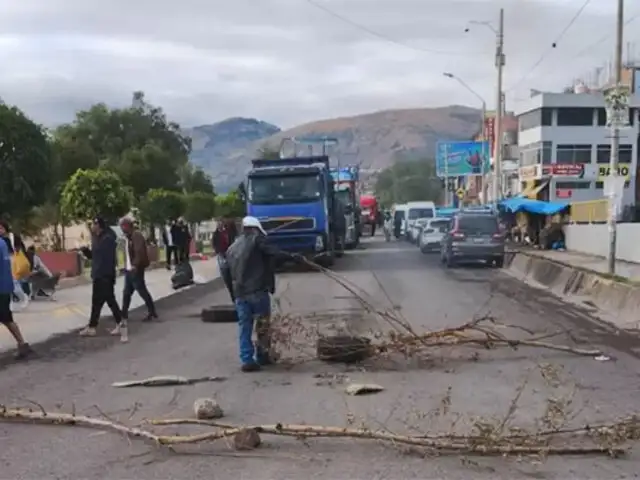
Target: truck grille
284, 224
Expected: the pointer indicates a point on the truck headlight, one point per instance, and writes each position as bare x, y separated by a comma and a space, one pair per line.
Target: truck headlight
319, 243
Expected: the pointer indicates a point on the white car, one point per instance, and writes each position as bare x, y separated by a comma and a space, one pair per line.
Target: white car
416, 228
432, 234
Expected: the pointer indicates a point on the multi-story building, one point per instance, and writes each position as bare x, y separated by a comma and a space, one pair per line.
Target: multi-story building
564, 147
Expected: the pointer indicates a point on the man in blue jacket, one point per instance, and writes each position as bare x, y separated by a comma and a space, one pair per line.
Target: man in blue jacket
6, 291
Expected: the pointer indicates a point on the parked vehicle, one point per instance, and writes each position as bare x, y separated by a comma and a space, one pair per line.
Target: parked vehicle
416, 210
346, 186
473, 237
416, 229
431, 237
369, 212
399, 217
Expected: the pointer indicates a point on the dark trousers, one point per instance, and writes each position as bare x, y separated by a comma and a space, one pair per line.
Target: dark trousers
183, 253
103, 292
134, 282
171, 251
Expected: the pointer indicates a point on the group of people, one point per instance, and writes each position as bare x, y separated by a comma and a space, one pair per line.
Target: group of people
176, 239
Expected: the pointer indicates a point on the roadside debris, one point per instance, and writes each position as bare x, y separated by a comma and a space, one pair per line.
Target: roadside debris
363, 388
207, 409
166, 381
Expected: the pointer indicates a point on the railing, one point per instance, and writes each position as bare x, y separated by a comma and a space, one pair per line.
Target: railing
591, 211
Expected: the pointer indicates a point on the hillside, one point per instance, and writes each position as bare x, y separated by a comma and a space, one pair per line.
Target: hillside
374, 140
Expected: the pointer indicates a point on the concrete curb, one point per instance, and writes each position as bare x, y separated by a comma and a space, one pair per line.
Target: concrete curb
620, 301
69, 344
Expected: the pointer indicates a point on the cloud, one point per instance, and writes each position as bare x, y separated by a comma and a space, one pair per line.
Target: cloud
287, 61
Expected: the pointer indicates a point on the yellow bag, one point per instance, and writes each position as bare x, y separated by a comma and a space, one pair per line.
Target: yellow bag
20, 266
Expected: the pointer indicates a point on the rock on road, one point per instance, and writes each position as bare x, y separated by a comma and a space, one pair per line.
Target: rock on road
76, 373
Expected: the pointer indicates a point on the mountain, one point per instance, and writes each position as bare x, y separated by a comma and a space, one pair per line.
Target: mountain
213, 144
374, 141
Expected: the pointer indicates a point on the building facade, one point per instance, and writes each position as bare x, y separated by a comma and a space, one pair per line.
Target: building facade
564, 147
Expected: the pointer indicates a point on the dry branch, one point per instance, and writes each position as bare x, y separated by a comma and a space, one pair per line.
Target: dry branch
443, 444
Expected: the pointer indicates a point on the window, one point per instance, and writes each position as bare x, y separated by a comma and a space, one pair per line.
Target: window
624, 153
271, 190
478, 224
575, 117
535, 118
573, 154
439, 225
573, 185
602, 116
415, 213
539, 152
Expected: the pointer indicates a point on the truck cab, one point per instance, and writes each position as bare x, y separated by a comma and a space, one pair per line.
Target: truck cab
346, 192
294, 200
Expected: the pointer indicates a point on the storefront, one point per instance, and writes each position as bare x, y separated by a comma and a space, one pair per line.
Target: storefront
533, 185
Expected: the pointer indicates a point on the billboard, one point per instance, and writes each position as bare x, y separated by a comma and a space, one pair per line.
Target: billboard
462, 159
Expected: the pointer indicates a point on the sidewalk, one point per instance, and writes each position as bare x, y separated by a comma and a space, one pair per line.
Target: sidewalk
70, 309
588, 262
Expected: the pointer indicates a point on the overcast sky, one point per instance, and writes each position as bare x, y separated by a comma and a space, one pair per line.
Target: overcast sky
288, 61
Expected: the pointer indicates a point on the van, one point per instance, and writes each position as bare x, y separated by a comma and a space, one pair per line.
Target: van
399, 213
416, 210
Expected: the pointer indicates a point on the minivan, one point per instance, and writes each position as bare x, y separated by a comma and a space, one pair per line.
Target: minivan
472, 237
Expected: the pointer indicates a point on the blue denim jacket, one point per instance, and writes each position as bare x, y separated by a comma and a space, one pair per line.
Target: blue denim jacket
6, 275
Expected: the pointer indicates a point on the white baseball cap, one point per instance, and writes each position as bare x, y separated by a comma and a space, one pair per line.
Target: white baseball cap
253, 222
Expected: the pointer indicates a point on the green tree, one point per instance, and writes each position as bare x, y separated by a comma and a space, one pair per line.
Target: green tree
91, 193
158, 205
408, 181
230, 205
25, 163
199, 207
194, 179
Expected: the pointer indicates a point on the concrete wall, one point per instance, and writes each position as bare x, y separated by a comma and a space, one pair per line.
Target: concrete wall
594, 240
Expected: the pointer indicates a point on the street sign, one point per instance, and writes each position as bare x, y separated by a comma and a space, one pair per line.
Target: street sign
460, 193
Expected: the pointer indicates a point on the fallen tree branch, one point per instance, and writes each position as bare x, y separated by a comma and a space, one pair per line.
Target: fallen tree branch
443, 444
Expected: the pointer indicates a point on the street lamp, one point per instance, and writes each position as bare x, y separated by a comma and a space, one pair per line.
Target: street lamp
482, 120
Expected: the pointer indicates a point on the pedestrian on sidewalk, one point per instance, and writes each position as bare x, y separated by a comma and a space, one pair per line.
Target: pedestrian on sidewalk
251, 263
6, 292
224, 235
16, 249
170, 236
103, 273
184, 241
136, 262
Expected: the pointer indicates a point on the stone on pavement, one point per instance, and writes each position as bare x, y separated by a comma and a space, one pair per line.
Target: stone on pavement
207, 409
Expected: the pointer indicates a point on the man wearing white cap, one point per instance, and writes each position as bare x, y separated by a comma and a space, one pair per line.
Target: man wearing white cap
251, 263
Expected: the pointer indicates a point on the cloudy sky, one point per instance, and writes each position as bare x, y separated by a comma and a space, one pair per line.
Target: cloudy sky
290, 61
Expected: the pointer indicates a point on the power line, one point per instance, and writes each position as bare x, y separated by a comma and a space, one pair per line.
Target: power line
551, 47
381, 36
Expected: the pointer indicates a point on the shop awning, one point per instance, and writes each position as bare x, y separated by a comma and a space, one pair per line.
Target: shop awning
533, 191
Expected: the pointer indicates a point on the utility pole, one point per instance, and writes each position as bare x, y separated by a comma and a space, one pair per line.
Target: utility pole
500, 62
615, 142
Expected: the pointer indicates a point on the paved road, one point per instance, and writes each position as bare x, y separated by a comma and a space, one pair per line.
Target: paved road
79, 372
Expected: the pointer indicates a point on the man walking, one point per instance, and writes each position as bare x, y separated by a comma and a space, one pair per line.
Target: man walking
170, 235
136, 262
103, 273
224, 235
6, 292
251, 264
184, 241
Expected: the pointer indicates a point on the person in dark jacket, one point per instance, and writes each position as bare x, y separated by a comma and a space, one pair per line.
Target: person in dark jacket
136, 262
224, 235
251, 261
103, 273
184, 240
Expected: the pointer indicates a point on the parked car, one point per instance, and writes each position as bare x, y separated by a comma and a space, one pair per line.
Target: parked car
416, 229
473, 237
432, 234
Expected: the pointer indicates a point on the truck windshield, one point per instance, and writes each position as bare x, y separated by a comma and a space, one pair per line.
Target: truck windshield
284, 189
344, 197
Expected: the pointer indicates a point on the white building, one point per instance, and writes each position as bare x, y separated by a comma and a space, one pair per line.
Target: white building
565, 147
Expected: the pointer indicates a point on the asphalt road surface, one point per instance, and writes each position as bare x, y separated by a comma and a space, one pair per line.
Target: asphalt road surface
74, 373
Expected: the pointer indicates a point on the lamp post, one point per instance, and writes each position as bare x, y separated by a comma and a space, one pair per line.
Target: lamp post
482, 120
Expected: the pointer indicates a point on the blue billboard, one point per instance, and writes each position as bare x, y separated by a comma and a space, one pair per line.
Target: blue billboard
462, 159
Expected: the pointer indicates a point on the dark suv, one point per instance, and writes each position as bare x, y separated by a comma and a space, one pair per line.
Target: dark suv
473, 237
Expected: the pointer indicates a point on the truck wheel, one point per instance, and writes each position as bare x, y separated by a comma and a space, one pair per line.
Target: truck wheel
340, 247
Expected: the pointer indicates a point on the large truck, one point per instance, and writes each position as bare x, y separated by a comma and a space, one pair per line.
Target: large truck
345, 182
370, 212
294, 200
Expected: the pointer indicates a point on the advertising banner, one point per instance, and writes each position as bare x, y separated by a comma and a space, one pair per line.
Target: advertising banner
462, 159
601, 171
563, 170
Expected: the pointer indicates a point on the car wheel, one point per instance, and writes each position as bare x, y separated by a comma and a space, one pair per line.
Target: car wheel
449, 262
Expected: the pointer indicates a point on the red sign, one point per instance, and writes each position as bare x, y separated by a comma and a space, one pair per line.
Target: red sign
563, 170
489, 133
564, 193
